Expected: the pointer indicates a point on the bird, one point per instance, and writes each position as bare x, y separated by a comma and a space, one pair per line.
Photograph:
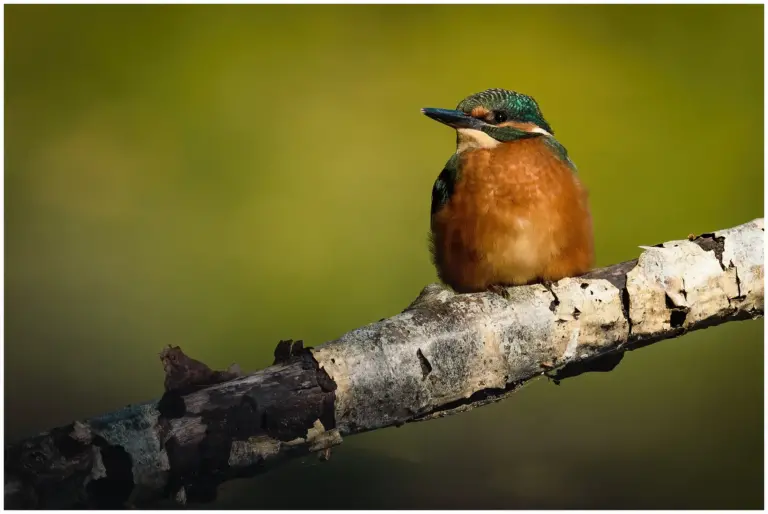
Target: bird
508, 208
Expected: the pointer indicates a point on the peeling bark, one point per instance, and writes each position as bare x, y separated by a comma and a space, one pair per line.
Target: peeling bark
445, 353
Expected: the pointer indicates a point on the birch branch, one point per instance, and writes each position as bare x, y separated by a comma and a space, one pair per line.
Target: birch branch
445, 353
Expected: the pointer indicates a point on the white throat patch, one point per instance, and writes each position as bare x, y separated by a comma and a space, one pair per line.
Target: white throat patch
470, 139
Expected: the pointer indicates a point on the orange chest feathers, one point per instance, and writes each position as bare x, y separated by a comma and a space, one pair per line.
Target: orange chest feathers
516, 214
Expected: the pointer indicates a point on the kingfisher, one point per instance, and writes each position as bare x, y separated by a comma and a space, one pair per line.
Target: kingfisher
508, 207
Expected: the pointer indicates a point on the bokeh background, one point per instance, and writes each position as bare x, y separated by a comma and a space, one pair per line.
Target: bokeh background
222, 177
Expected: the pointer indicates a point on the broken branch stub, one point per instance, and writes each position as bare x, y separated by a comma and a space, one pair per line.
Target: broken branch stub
445, 353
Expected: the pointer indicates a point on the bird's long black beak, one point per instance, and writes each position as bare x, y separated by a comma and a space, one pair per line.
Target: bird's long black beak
452, 118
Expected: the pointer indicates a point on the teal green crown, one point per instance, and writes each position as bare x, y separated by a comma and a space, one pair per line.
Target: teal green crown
508, 105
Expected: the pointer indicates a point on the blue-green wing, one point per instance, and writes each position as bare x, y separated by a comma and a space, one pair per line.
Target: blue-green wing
559, 150
442, 190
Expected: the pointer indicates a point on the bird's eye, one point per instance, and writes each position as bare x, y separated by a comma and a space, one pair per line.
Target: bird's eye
499, 117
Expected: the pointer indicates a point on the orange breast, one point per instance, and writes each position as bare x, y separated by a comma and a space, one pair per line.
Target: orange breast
518, 214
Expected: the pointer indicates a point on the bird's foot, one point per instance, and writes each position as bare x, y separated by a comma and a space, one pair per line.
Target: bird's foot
499, 290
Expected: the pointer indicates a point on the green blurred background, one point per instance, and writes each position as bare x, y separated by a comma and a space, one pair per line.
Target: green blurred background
221, 177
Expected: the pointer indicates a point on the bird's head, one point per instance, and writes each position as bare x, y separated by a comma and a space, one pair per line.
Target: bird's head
491, 117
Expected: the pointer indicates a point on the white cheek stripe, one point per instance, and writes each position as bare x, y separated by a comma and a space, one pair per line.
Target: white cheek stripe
540, 130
